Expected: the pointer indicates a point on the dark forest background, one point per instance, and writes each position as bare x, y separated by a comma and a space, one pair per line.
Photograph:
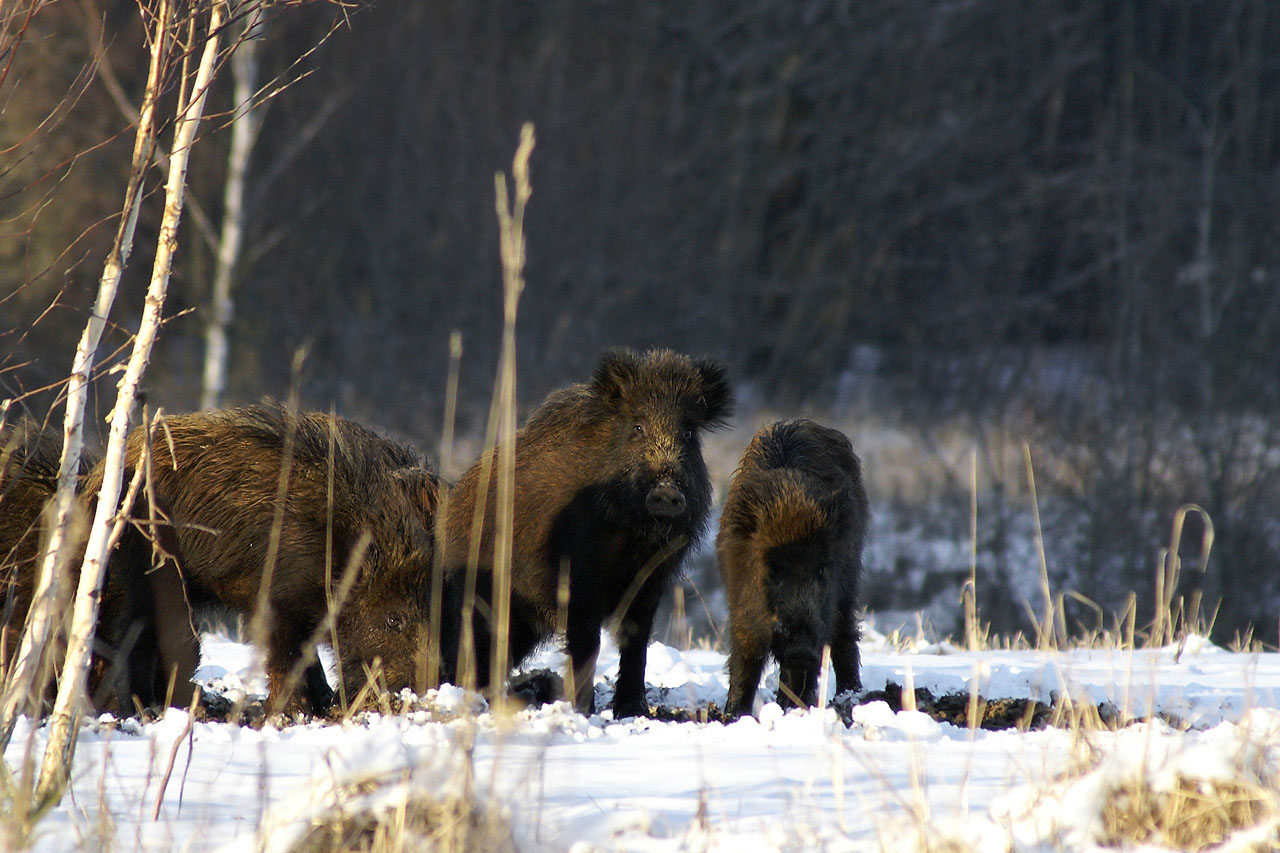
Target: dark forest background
1050, 222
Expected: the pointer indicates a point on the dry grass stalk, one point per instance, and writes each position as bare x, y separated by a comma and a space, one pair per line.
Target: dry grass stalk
1046, 638
973, 633
511, 226
436, 613
260, 623
1174, 616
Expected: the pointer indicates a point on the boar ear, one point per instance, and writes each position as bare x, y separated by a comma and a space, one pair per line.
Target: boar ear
615, 372
830, 500
715, 397
422, 488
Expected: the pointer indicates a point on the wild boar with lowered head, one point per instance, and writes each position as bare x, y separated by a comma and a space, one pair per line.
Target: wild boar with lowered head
789, 550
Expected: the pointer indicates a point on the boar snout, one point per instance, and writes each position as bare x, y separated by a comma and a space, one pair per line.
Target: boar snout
665, 500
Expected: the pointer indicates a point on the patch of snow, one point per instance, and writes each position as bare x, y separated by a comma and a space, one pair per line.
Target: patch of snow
789, 780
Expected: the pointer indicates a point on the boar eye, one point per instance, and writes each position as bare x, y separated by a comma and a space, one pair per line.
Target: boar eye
637, 431
395, 622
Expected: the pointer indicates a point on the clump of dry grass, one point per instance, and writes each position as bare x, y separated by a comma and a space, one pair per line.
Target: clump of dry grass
375, 796
1189, 814
368, 822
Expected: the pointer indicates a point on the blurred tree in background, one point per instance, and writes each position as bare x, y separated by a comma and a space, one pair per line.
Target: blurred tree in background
1051, 219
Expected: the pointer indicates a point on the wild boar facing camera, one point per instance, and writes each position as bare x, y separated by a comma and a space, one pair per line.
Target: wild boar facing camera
610, 493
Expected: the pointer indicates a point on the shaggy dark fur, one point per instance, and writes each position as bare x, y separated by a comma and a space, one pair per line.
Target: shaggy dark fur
29, 458
610, 487
215, 477
28, 479
790, 554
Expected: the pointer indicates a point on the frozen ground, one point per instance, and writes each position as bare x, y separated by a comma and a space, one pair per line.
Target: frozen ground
800, 780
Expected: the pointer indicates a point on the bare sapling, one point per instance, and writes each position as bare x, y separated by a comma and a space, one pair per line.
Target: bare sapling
25, 684
56, 766
246, 123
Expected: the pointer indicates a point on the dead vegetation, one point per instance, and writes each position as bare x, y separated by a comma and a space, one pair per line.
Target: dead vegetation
1190, 814
411, 822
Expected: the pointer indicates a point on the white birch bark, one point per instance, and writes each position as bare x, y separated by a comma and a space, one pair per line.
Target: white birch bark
244, 135
55, 770
24, 686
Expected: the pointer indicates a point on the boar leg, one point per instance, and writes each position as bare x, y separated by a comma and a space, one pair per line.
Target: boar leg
289, 632
583, 644
140, 683
474, 663
845, 658
581, 687
633, 650
153, 614
177, 642
523, 635
315, 685
745, 667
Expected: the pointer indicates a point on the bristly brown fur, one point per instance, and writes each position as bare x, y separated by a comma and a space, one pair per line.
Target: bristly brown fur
29, 460
790, 554
593, 465
783, 506
215, 477
27, 483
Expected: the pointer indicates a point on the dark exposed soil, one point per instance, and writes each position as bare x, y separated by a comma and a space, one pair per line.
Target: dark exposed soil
955, 708
536, 687
711, 713
991, 714
539, 687
216, 708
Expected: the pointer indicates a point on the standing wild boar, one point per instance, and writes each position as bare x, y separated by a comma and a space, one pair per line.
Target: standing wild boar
611, 490
790, 555
215, 479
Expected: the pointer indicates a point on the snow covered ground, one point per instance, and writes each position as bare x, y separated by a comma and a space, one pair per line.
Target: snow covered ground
794, 781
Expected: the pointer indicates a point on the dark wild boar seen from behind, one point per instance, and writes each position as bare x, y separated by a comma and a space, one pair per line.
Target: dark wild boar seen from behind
216, 476
29, 460
610, 490
126, 670
789, 550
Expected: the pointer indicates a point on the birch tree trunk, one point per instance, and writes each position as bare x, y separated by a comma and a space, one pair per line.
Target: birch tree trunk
26, 679
55, 770
244, 135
